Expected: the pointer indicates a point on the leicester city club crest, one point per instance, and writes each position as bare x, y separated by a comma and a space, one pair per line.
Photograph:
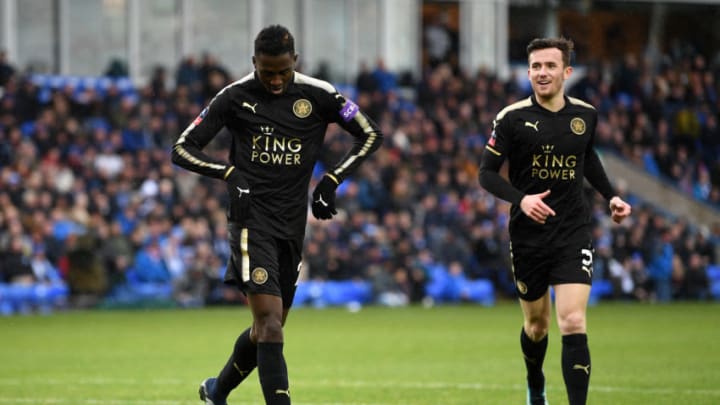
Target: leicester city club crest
522, 288
577, 125
302, 108
259, 275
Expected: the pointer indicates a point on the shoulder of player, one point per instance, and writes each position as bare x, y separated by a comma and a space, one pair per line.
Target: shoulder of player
516, 106
240, 85
576, 102
314, 84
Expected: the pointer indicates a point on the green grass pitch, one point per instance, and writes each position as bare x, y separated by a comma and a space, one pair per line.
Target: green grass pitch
642, 354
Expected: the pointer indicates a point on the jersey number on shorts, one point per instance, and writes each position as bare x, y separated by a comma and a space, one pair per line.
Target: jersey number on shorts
587, 259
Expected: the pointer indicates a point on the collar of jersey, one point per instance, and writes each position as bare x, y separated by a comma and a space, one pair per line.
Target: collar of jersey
538, 105
291, 89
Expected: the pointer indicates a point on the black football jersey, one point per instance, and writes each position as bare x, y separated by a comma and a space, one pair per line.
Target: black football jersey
547, 151
275, 142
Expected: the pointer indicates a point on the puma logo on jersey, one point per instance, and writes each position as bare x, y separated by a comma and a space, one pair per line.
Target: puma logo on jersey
533, 126
586, 369
243, 191
320, 200
249, 106
285, 392
587, 270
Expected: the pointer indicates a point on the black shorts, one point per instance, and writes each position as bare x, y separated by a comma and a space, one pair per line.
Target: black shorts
263, 264
537, 268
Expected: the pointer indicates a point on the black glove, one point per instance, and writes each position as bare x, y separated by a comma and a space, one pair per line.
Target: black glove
239, 193
323, 199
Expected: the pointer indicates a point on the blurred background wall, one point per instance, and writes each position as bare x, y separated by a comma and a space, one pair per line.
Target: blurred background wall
336, 37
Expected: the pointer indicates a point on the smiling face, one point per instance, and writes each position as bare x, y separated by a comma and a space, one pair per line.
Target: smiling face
547, 73
275, 71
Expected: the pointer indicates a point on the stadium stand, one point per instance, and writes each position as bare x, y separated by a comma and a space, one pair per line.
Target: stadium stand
89, 199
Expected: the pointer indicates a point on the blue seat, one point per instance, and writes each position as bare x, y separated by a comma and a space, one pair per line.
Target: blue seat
602, 288
480, 291
715, 290
56, 82
24, 299
713, 275
16, 298
40, 80
713, 272
440, 287
346, 292
320, 294
306, 292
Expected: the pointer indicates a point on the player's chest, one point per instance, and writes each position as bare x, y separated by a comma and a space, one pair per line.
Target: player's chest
559, 133
295, 117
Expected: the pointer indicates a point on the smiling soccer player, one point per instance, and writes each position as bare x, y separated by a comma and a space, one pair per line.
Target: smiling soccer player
548, 142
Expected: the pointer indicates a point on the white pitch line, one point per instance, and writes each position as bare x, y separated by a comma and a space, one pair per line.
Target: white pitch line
89, 401
437, 385
503, 387
59, 401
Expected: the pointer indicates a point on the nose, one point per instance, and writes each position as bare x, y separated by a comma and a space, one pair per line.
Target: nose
276, 80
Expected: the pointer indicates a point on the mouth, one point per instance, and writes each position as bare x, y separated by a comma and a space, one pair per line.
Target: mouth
276, 89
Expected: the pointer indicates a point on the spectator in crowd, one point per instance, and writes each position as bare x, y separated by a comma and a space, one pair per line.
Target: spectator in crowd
438, 41
6, 69
16, 265
86, 276
191, 288
149, 265
116, 68
693, 282
365, 81
386, 80
660, 265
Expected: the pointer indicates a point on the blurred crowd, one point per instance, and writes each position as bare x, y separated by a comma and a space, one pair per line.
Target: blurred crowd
89, 199
663, 117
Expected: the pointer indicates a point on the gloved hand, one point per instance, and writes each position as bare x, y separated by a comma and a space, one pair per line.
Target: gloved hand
323, 198
239, 193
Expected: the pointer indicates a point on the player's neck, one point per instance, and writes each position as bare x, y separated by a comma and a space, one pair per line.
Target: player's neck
554, 103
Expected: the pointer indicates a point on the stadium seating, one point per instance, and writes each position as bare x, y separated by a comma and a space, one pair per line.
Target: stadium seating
713, 273
600, 289
79, 84
407, 160
320, 294
453, 288
25, 299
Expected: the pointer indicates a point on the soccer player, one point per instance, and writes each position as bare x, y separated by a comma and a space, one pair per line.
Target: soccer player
547, 140
277, 120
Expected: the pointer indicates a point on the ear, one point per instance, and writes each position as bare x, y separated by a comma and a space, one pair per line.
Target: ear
253, 60
568, 71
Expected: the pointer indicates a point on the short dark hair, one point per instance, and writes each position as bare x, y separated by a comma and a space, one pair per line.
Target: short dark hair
274, 40
563, 44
